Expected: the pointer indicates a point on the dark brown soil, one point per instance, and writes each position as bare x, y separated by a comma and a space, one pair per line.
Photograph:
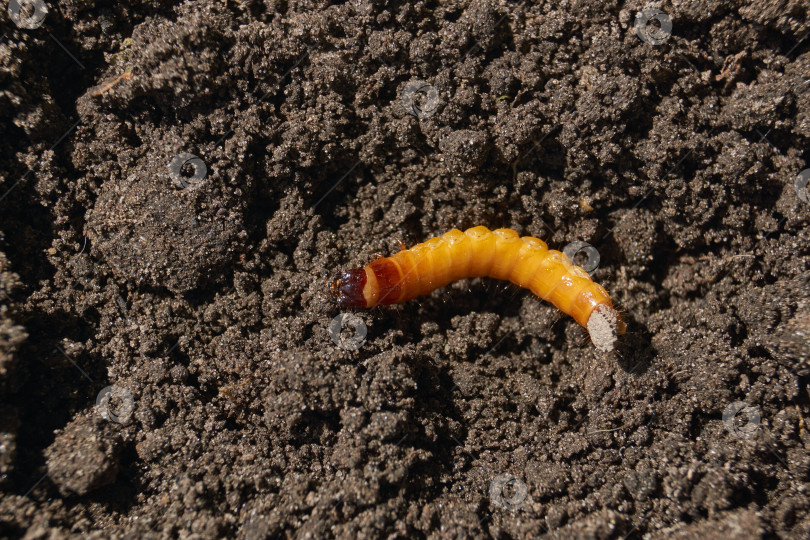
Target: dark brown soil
166, 363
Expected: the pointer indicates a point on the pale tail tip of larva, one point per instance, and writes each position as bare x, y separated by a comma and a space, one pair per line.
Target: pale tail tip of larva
604, 326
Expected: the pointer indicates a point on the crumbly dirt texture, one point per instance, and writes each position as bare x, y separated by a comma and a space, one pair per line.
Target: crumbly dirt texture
177, 182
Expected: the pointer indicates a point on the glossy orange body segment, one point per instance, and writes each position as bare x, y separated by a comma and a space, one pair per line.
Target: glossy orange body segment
500, 254
478, 252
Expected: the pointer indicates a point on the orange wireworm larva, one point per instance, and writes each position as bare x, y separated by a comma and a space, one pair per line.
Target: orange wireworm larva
479, 252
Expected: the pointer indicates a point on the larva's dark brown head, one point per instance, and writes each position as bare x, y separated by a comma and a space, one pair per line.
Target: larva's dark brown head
346, 288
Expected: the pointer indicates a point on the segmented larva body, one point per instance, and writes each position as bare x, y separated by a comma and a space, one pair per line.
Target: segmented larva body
479, 252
